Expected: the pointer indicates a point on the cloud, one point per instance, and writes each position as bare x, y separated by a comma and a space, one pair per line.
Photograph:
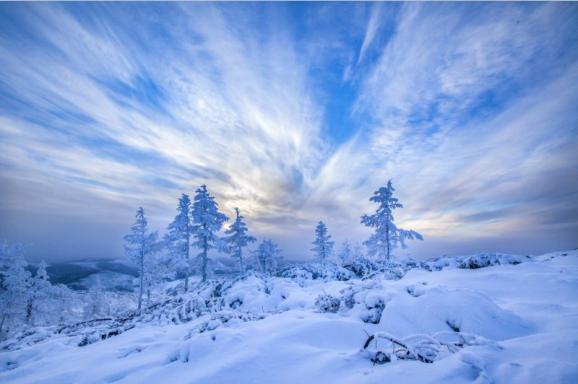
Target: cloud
467, 107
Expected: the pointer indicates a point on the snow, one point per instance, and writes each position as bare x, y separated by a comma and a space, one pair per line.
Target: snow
520, 320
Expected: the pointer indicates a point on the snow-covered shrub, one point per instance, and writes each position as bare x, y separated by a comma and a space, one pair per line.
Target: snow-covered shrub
416, 290
479, 260
348, 297
326, 271
487, 259
374, 305
327, 303
393, 269
423, 348
361, 267
390, 270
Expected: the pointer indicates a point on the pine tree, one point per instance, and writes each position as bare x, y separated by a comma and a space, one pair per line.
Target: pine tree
237, 238
268, 255
322, 245
141, 244
178, 237
387, 235
207, 220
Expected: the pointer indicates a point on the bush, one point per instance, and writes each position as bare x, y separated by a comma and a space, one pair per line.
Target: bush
315, 271
327, 303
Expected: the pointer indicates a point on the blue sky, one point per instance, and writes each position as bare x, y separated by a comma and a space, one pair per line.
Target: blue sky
294, 113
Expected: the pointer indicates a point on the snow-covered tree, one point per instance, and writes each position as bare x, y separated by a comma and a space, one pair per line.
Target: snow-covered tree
268, 255
140, 245
387, 235
97, 303
237, 238
16, 281
345, 253
39, 295
178, 237
322, 245
207, 222
357, 252
67, 304
160, 270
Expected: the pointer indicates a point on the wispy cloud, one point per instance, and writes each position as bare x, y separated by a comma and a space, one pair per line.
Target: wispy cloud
469, 108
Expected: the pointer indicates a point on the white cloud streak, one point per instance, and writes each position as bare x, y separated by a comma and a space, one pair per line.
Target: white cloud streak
237, 108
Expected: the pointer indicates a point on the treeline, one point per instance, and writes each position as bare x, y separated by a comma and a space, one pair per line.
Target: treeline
28, 298
197, 226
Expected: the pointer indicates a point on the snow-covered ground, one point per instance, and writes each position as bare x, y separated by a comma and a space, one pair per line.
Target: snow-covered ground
520, 322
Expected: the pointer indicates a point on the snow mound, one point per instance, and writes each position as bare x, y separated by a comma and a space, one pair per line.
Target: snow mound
502, 325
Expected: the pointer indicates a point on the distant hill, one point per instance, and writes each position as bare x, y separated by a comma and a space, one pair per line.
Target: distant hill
82, 275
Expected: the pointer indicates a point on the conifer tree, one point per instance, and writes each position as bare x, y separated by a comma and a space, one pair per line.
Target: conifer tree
39, 294
322, 245
345, 253
178, 237
387, 235
16, 281
207, 222
237, 238
140, 245
268, 255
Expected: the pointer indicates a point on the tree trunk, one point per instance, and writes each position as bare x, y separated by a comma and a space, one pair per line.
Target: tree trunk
205, 250
241, 260
2, 324
29, 311
187, 270
148, 297
141, 280
387, 241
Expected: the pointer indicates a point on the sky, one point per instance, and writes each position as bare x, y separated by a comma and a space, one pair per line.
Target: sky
295, 113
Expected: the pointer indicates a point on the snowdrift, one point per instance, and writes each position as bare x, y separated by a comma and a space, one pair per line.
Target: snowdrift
511, 319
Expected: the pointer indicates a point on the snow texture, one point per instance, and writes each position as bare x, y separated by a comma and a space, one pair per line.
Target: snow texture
487, 318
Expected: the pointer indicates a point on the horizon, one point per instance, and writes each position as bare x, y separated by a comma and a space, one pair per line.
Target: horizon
295, 113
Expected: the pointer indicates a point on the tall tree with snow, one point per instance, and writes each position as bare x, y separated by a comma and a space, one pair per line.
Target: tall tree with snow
237, 238
39, 294
387, 235
140, 245
322, 245
16, 280
178, 237
207, 222
160, 269
268, 255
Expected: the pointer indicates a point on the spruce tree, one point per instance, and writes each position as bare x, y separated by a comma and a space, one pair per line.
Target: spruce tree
178, 237
207, 222
322, 245
387, 235
237, 238
268, 255
140, 245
